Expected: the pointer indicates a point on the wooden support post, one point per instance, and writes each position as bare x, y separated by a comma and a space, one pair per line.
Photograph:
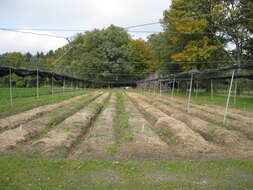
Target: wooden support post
228, 98
37, 82
52, 84
197, 88
63, 87
189, 98
160, 88
173, 87
10, 88
235, 95
186, 89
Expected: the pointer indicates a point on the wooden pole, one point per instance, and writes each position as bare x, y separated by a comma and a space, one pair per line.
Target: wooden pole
160, 88
197, 88
189, 98
235, 95
10, 88
228, 98
52, 84
38, 82
173, 87
63, 87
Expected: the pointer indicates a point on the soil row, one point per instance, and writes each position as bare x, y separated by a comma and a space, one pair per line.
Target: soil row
14, 121
98, 143
173, 131
213, 116
225, 143
152, 128
34, 128
61, 141
244, 116
145, 143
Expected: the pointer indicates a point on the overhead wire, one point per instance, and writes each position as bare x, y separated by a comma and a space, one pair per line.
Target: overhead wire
28, 32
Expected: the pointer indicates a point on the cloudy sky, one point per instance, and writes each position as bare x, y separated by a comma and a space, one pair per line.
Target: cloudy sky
71, 14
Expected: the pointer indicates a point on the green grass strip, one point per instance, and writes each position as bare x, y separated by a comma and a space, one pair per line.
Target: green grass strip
34, 174
24, 104
121, 120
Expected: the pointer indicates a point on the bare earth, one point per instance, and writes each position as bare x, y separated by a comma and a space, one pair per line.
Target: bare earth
159, 128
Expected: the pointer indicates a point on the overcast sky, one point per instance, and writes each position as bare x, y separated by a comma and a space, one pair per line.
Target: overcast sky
71, 14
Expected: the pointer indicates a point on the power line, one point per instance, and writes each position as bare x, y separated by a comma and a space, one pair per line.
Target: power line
141, 25
130, 31
51, 29
27, 32
21, 30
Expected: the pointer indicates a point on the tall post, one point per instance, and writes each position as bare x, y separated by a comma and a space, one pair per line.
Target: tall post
38, 82
186, 89
228, 98
63, 87
197, 88
160, 88
178, 87
10, 88
235, 95
190, 92
173, 87
212, 89
52, 84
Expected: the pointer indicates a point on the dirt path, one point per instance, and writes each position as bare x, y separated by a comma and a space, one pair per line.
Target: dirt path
60, 141
234, 143
35, 128
174, 131
99, 143
21, 118
145, 143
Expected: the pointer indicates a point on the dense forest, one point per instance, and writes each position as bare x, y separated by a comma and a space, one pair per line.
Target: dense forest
197, 34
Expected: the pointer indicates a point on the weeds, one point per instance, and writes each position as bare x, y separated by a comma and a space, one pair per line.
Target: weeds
111, 149
130, 137
121, 119
167, 133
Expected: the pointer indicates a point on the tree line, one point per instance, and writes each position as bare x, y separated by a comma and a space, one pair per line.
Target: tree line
197, 34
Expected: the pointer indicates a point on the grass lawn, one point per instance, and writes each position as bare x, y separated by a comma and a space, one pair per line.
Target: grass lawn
28, 92
23, 103
34, 174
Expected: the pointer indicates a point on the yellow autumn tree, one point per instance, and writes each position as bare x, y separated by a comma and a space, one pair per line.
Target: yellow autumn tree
190, 33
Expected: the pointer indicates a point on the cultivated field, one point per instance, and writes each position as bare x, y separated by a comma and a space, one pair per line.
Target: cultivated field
121, 126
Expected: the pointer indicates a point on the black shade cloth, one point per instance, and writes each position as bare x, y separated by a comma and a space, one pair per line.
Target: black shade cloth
5, 71
187, 75
24, 72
